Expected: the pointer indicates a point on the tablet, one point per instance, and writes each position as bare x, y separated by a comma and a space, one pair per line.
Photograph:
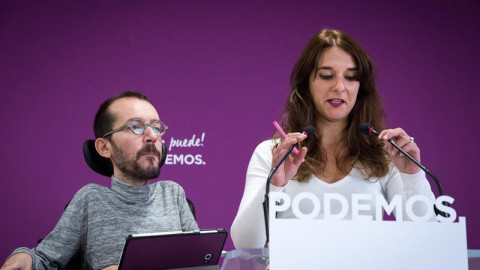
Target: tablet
173, 250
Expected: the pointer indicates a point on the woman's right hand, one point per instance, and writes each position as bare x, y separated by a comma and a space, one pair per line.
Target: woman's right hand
289, 168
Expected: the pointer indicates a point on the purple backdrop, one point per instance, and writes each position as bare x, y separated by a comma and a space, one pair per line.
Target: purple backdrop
222, 70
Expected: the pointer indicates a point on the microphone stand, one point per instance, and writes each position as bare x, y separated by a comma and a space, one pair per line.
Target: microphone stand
435, 179
266, 202
372, 131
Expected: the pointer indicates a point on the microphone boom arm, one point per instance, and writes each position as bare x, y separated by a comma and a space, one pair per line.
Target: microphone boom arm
266, 202
435, 179
368, 130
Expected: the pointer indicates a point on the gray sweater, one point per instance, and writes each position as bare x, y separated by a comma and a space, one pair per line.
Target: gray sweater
98, 219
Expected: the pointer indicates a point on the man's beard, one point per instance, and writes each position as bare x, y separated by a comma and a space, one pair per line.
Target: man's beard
132, 168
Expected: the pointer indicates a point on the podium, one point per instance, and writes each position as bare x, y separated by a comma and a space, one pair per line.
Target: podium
308, 243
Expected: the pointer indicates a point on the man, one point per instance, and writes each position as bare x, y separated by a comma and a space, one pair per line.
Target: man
129, 132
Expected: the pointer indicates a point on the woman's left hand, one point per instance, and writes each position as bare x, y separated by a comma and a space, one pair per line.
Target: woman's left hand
402, 139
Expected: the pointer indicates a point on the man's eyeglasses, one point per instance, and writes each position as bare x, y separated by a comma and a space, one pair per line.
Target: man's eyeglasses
139, 127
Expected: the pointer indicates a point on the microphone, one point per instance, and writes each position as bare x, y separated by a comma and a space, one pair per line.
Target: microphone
309, 131
367, 129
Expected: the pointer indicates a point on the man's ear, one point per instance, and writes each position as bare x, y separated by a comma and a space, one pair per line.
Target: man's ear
103, 147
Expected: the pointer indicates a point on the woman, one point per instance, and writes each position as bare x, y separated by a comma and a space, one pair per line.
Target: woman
332, 88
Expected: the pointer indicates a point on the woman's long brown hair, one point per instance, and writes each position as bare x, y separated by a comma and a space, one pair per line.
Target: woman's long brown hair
364, 152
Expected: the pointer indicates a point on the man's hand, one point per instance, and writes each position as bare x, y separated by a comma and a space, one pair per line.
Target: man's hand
19, 261
111, 267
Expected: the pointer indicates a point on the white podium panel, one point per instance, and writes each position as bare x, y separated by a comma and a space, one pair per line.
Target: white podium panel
355, 244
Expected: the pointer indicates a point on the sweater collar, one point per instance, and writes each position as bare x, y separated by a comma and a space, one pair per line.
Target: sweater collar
134, 194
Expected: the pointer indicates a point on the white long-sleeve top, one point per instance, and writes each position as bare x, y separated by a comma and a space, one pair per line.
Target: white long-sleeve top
248, 228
